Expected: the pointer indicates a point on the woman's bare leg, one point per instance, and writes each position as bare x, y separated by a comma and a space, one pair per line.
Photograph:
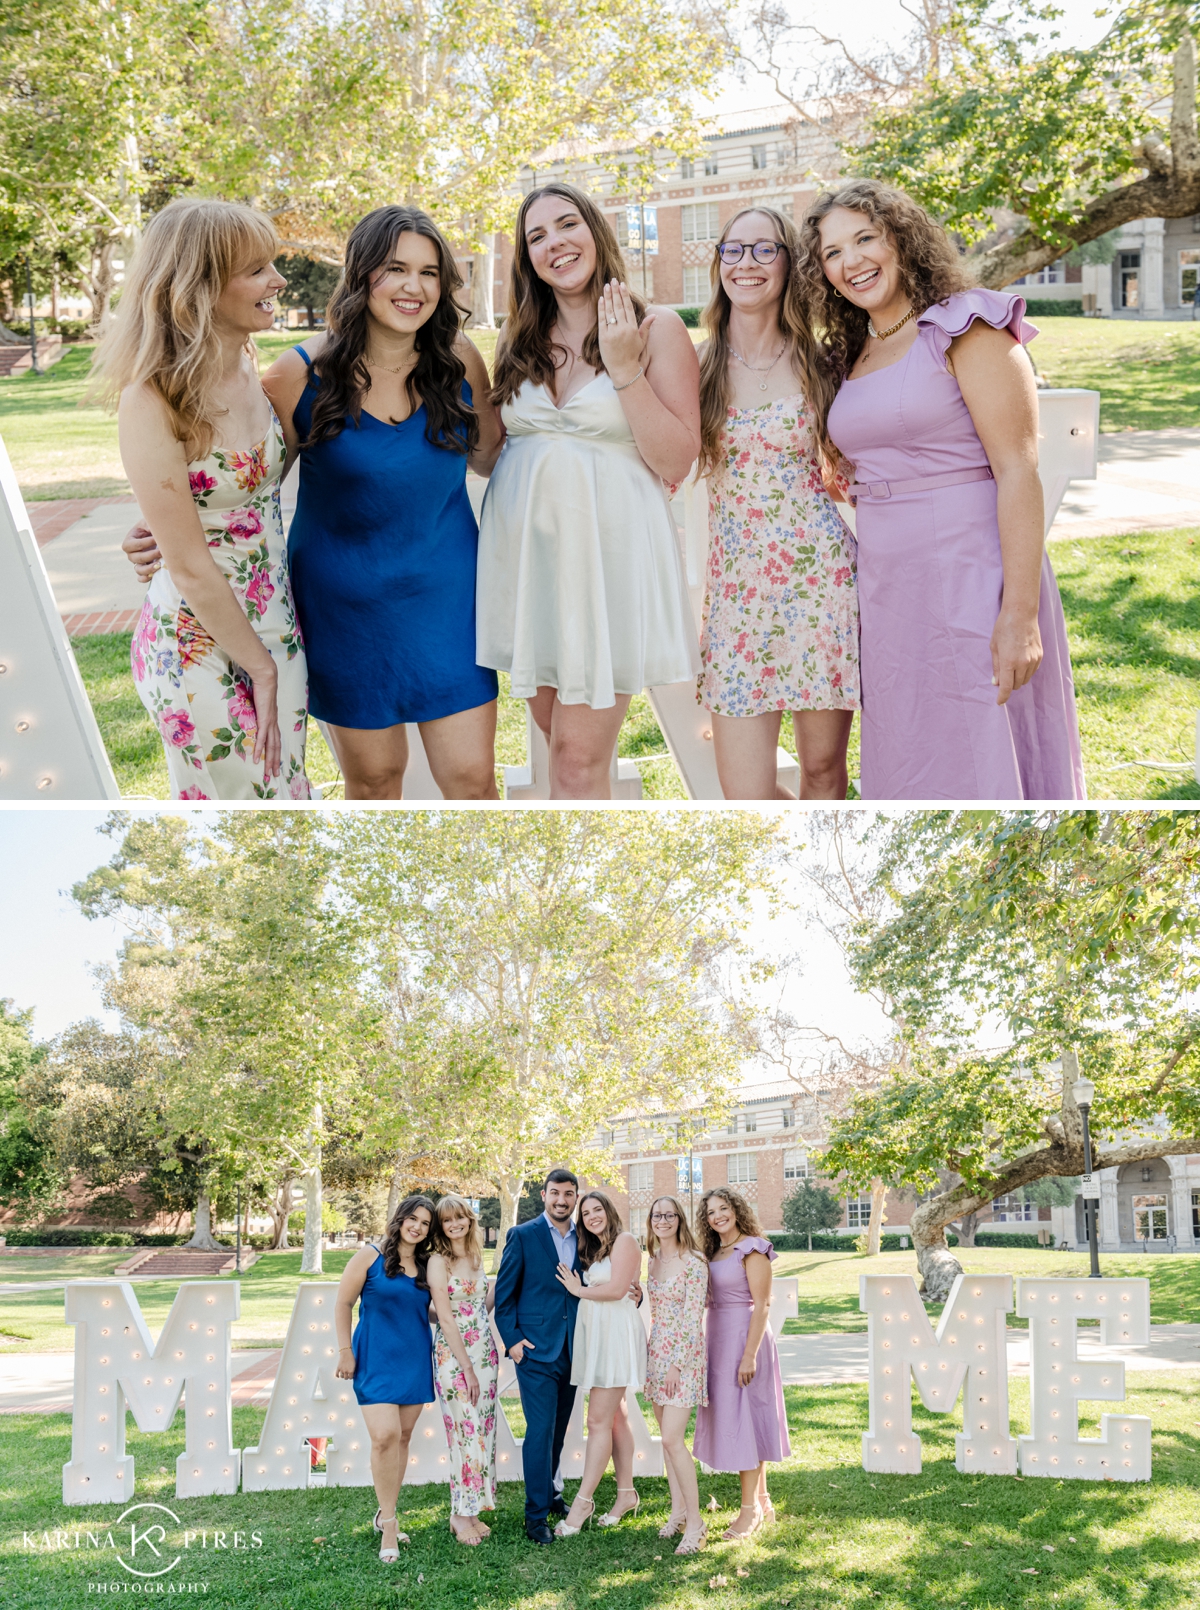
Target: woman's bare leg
678, 1503
821, 740
681, 1467
372, 760
744, 748
622, 1458
390, 1428
461, 750
602, 1405
581, 742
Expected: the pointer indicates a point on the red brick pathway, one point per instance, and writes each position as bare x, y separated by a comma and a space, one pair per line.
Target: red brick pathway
51, 519
101, 622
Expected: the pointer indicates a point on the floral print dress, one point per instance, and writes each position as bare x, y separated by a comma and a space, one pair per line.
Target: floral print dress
470, 1431
677, 1335
780, 612
199, 700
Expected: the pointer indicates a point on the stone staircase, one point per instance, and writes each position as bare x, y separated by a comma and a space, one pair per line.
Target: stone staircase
179, 1263
18, 360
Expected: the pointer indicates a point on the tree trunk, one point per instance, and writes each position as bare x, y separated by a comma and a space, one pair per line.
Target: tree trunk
938, 1265
810, 1238
100, 282
310, 1264
483, 313
279, 1210
202, 1236
875, 1228
393, 1194
966, 1228
509, 1191
312, 318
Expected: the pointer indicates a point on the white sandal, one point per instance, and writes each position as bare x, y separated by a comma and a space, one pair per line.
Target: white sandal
389, 1556
615, 1520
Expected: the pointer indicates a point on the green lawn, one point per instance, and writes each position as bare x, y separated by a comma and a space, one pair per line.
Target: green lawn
844, 1541
829, 1280
1148, 375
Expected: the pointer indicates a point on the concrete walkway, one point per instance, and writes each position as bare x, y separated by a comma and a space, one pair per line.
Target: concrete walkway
33, 1383
1148, 480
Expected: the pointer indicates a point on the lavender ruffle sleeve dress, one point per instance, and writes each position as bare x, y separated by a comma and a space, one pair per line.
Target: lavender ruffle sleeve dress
741, 1425
930, 580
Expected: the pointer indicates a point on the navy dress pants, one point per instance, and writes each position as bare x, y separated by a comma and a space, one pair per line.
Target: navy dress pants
547, 1397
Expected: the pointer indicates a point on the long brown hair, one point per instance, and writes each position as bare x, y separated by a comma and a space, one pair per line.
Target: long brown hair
804, 354
456, 1207
163, 334
744, 1217
930, 271
683, 1234
436, 380
391, 1240
525, 350
595, 1248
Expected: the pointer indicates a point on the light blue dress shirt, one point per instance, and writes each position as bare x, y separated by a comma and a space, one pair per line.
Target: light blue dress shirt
566, 1244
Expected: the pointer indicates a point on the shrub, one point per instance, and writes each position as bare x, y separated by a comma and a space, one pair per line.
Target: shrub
782, 1241
690, 316
145, 1238
1006, 1238
70, 329
1046, 308
69, 1236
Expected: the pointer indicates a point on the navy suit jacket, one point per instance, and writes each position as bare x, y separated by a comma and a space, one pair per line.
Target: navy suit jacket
531, 1302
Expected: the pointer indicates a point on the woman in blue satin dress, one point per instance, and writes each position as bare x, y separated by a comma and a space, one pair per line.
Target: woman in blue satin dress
390, 1356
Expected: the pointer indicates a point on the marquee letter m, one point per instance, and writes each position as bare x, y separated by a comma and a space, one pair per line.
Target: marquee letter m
967, 1354
116, 1364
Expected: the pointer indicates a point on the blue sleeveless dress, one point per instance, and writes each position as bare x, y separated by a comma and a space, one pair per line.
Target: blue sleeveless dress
392, 1342
382, 553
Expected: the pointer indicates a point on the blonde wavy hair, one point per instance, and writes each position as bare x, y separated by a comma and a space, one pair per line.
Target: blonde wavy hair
930, 271
804, 354
163, 334
456, 1207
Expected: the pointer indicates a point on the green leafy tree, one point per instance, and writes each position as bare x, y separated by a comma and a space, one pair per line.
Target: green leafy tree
1072, 143
559, 968
811, 1208
310, 284
1020, 948
29, 1181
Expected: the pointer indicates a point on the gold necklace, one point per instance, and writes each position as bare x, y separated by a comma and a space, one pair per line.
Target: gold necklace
882, 335
388, 367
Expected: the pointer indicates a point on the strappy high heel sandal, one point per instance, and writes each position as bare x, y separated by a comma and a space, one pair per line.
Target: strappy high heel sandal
674, 1525
768, 1513
730, 1536
389, 1556
563, 1530
693, 1542
615, 1520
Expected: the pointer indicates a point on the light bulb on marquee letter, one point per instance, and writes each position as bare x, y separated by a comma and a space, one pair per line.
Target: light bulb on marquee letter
117, 1364
968, 1346
1058, 1379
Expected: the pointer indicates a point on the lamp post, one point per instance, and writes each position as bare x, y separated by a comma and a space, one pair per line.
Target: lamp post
33, 367
1084, 1092
238, 1233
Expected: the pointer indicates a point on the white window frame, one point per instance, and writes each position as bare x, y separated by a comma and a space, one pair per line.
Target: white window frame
697, 286
858, 1212
741, 1168
641, 1177
795, 1164
637, 1223
712, 164
750, 1123
687, 167
700, 221
758, 158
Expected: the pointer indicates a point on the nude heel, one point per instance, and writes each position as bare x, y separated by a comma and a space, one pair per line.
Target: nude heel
615, 1520
563, 1530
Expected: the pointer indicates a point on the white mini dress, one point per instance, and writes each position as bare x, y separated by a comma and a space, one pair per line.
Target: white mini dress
610, 1339
581, 584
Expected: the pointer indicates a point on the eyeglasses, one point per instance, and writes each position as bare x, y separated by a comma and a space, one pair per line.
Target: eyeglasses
763, 251
663, 1218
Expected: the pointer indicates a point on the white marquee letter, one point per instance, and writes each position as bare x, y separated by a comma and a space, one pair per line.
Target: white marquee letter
116, 1363
1057, 1379
969, 1345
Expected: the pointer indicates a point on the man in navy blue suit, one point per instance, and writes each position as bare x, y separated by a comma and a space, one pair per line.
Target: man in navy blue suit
535, 1315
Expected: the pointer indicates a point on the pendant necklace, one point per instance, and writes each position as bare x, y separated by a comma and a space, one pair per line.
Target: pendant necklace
882, 335
758, 369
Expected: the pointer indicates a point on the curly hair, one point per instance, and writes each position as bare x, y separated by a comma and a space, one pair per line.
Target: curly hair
437, 379
422, 1250
744, 1217
930, 271
804, 352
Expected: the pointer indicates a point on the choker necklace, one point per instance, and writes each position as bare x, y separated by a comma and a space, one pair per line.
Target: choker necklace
758, 369
882, 335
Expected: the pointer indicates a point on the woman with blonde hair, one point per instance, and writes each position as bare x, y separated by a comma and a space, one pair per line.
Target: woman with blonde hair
466, 1364
743, 1426
780, 633
609, 1354
216, 655
582, 597
928, 393
677, 1367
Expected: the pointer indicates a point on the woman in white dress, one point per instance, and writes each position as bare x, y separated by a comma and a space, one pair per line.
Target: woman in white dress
609, 1354
581, 593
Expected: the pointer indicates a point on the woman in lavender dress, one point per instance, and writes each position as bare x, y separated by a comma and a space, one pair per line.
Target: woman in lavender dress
966, 675
744, 1423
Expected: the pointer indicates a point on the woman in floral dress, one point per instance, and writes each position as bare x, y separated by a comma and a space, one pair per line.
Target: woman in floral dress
677, 1366
780, 631
466, 1364
217, 657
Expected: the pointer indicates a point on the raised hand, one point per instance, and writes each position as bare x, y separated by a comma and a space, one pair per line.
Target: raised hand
622, 342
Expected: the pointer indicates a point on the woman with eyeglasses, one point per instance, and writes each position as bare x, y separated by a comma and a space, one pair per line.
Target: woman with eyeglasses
780, 634
582, 598
677, 1365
